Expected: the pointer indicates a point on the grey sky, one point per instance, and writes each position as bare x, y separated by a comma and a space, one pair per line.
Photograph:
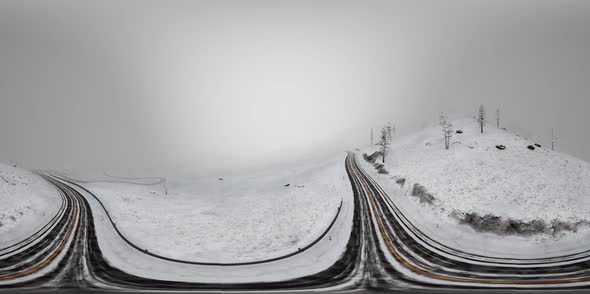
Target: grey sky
234, 83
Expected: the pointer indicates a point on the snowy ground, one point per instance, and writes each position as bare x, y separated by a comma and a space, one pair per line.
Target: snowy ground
474, 176
27, 203
244, 217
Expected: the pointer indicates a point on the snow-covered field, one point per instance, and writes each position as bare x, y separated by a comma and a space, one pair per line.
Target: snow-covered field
243, 217
27, 203
475, 177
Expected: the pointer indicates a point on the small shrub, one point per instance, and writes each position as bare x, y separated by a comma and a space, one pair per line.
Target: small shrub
371, 158
380, 168
400, 181
423, 195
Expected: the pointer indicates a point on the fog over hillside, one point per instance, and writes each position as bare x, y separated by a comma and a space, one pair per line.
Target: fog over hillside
241, 83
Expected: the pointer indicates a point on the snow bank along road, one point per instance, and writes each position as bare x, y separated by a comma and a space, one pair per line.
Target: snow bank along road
383, 251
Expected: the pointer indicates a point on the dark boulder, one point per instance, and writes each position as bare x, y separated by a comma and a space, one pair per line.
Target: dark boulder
531, 147
459, 132
538, 145
500, 147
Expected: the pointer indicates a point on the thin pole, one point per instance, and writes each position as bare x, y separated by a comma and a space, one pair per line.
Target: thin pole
552, 139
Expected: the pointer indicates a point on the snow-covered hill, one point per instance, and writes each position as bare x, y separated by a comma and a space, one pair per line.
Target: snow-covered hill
512, 193
27, 203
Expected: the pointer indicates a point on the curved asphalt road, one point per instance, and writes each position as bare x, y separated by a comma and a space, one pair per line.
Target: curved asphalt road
384, 251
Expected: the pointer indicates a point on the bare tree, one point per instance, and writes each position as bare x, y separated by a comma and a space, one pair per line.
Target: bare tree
481, 117
165, 185
390, 131
498, 118
384, 142
447, 129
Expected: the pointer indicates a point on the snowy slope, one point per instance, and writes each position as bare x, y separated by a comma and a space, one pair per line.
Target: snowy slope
244, 217
27, 203
475, 177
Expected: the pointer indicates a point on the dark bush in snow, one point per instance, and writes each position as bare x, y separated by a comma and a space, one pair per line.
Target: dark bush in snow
459, 132
373, 157
526, 228
380, 168
560, 226
486, 223
538, 145
400, 181
498, 225
501, 147
420, 192
287, 185
501, 226
531, 147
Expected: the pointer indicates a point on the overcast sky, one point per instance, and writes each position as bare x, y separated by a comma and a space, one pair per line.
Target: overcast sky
238, 83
